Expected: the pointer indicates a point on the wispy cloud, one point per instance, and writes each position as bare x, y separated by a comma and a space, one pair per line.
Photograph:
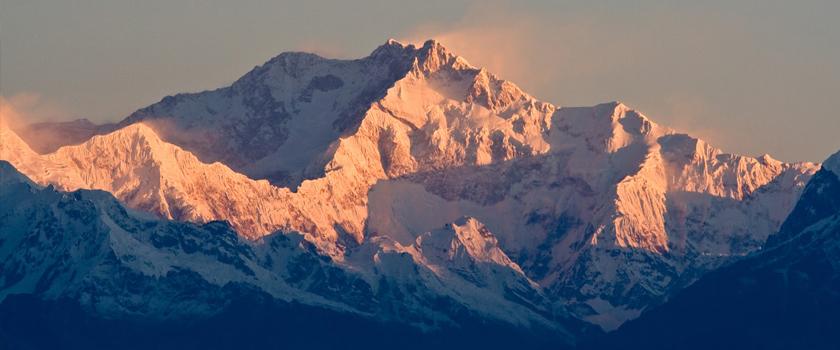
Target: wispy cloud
30, 107
537, 51
492, 36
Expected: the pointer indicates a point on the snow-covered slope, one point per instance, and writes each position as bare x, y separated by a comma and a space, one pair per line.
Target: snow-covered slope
594, 209
276, 121
608, 222
84, 246
150, 175
784, 296
14, 150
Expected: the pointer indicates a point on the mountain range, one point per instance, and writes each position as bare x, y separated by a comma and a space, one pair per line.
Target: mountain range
408, 187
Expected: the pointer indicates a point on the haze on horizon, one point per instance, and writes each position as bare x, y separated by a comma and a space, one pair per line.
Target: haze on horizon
750, 77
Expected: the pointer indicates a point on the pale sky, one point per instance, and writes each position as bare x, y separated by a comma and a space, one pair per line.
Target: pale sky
750, 77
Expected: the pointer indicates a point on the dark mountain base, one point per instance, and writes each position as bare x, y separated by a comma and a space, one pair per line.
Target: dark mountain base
739, 308
27, 322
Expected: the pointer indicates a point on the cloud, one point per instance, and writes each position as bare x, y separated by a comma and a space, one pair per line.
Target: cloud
688, 114
9, 115
29, 107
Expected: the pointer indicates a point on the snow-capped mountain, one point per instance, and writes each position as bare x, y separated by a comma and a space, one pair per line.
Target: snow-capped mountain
150, 175
277, 121
85, 247
608, 242
783, 297
597, 212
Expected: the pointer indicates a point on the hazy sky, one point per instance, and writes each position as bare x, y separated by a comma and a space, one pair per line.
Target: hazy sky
751, 77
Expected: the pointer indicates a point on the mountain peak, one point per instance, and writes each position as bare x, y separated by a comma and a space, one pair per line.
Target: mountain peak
433, 56
134, 134
465, 237
767, 159
140, 129
391, 42
12, 146
433, 43
833, 163
391, 48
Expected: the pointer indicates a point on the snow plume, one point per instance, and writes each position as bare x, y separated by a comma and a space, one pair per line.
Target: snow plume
493, 37
43, 125
9, 115
29, 107
537, 51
